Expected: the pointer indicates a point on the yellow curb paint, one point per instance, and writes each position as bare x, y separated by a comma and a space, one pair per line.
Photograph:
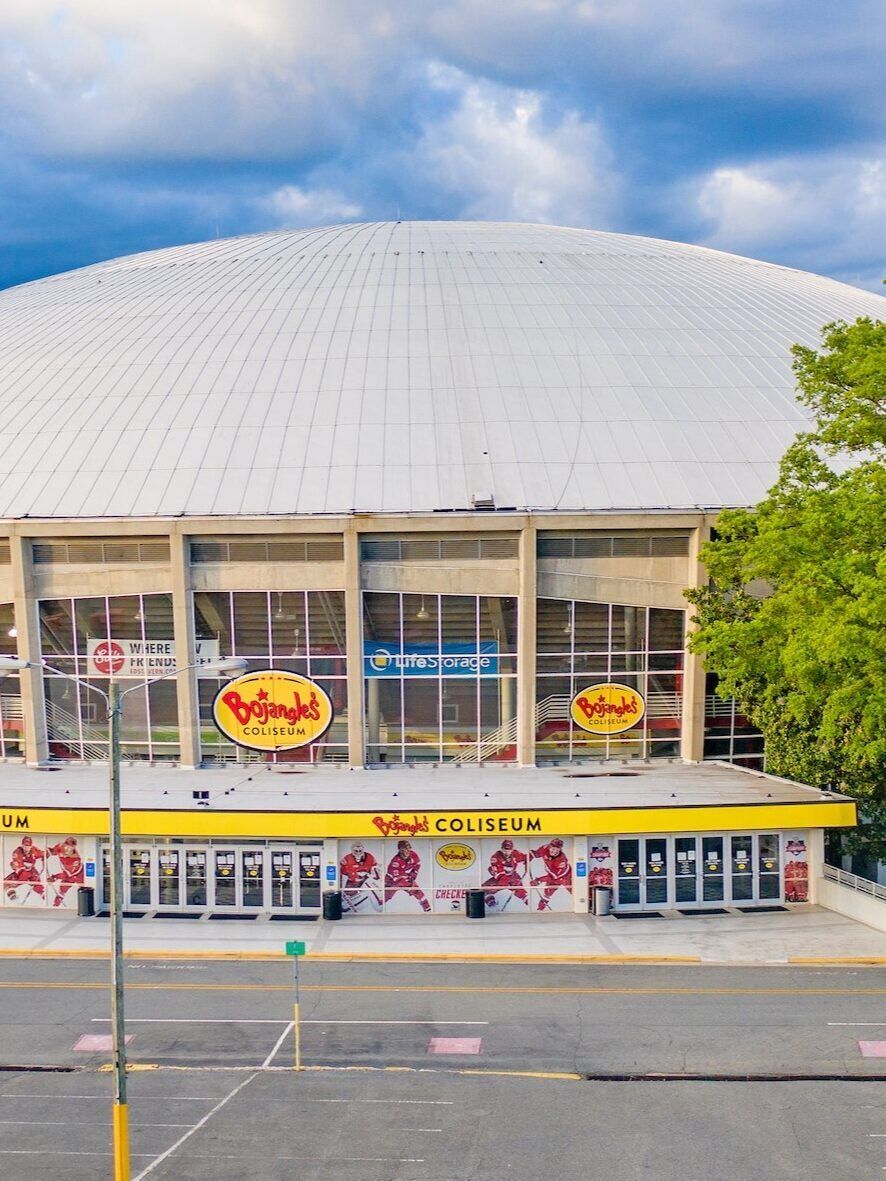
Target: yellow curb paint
329, 957
812, 960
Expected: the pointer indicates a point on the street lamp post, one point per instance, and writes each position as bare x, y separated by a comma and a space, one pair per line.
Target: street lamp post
114, 701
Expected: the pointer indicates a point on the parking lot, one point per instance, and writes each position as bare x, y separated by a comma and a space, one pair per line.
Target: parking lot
542, 1071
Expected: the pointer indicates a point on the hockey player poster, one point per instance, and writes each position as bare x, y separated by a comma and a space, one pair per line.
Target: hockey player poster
407, 877
41, 870
551, 875
24, 871
361, 869
506, 876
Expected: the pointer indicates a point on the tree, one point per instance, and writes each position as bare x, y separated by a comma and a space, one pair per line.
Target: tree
794, 619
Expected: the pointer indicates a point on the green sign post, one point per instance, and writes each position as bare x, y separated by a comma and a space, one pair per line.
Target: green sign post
296, 948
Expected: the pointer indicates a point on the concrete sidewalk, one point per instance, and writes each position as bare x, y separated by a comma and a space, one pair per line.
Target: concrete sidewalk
793, 935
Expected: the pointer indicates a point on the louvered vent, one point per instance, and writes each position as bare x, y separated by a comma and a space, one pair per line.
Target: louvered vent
268, 549
628, 546
5, 557
437, 549
99, 553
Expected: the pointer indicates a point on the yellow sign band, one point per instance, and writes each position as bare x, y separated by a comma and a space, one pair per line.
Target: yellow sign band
452, 825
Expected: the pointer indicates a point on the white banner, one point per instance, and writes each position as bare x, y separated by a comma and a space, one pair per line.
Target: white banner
141, 659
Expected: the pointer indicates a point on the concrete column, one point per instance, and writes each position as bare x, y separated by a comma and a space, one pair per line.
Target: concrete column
815, 859
692, 744
183, 634
354, 646
27, 625
526, 644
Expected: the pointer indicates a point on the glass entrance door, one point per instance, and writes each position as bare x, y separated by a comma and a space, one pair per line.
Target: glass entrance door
685, 870
309, 879
225, 863
742, 868
168, 878
196, 893
712, 869
643, 873
137, 867
282, 882
253, 878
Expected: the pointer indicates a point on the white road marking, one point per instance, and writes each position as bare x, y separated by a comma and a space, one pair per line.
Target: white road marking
197, 1020
403, 1128
266, 1021
59, 1152
60, 1123
142, 1099
196, 1128
399, 1160
277, 1044
858, 1023
429, 1102
395, 1022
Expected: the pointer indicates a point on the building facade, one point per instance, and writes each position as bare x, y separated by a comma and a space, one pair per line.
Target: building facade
457, 478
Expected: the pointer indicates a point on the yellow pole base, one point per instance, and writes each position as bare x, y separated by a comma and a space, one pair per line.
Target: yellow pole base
120, 1119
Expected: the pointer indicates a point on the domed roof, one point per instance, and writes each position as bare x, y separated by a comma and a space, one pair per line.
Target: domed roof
404, 367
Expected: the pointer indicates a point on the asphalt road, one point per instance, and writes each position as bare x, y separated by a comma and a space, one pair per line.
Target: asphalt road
535, 1100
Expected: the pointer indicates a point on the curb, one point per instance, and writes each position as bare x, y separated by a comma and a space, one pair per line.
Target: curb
812, 960
335, 957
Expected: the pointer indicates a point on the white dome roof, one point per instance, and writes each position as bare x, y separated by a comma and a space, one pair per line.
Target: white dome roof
404, 367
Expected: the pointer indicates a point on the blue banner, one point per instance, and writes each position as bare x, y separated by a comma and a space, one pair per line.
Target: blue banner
426, 660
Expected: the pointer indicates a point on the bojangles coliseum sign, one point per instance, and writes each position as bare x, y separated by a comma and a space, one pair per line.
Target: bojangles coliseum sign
272, 710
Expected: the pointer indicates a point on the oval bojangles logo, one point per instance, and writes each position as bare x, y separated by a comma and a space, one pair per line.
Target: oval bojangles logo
607, 708
272, 710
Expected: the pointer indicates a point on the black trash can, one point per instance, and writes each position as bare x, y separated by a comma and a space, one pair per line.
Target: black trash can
475, 904
86, 902
332, 904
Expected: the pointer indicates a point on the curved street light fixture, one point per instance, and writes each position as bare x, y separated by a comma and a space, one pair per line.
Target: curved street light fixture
113, 699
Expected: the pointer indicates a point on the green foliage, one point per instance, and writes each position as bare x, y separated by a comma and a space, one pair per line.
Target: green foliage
794, 619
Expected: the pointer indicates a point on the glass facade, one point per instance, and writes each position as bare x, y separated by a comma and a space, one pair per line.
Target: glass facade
11, 711
440, 677
130, 636
301, 631
581, 644
728, 735
440, 671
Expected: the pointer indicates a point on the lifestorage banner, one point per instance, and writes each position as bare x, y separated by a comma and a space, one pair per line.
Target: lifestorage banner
428, 660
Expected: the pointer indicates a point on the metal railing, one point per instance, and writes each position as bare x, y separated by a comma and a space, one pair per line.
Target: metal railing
853, 882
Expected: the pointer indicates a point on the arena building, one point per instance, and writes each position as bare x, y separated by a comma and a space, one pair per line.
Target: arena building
442, 486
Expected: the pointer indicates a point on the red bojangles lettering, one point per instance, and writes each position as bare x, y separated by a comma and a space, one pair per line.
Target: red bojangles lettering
260, 710
601, 707
449, 855
397, 825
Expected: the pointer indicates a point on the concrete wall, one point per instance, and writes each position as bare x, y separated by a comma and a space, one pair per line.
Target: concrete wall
855, 905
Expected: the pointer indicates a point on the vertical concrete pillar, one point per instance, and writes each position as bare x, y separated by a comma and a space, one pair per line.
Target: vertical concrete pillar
815, 860
354, 645
692, 743
183, 633
27, 625
526, 646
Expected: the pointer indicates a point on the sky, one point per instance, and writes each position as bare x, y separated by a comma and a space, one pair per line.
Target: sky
753, 126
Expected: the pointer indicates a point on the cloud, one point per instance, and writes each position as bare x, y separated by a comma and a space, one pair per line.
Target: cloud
294, 207
127, 125
502, 154
822, 214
